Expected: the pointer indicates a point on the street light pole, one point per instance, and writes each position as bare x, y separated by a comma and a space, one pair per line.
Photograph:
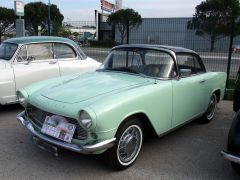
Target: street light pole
49, 18
230, 51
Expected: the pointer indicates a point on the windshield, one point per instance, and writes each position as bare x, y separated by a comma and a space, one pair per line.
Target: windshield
7, 50
152, 63
81, 53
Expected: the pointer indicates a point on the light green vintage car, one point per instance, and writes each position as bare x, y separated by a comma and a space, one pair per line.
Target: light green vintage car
139, 89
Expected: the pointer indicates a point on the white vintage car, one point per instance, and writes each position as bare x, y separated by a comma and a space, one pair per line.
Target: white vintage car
30, 59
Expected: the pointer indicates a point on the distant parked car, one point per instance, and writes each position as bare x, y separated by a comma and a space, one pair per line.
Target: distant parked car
236, 49
236, 97
233, 145
30, 59
79, 43
138, 89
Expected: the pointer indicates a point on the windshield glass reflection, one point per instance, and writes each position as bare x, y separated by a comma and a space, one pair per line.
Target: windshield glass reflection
147, 62
7, 50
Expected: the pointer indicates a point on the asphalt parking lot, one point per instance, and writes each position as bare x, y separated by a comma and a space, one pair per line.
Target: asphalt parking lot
191, 152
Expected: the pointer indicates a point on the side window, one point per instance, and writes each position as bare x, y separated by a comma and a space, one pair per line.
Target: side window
63, 51
41, 51
22, 55
159, 64
189, 65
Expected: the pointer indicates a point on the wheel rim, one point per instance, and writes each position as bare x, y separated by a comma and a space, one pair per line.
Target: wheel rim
129, 145
211, 107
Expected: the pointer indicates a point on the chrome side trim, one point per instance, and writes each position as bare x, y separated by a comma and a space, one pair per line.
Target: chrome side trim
86, 149
99, 132
231, 157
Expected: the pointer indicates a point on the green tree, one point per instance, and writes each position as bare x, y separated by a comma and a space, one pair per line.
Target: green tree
64, 32
36, 14
7, 18
124, 18
76, 34
213, 19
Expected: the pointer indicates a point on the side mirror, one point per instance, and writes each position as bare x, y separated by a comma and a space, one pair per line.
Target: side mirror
30, 59
185, 72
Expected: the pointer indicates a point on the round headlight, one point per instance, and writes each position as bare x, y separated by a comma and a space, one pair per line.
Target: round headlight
22, 99
85, 119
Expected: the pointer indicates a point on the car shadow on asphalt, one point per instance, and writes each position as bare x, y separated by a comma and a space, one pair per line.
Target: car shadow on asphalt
176, 131
10, 108
97, 162
73, 160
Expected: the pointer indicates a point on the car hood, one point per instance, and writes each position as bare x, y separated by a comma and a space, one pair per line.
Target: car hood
90, 85
2, 64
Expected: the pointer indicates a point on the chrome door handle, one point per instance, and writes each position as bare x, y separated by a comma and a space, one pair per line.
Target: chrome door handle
52, 62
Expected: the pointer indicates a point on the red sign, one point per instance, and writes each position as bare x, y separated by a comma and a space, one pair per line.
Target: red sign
107, 6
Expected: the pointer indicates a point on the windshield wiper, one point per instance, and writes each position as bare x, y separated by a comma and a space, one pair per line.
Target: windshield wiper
123, 69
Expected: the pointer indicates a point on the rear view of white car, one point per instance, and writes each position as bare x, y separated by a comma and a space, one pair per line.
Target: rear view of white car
26, 60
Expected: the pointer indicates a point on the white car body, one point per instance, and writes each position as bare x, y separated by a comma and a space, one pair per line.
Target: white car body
15, 75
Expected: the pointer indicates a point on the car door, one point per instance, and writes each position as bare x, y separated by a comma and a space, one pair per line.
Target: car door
70, 61
34, 63
188, 90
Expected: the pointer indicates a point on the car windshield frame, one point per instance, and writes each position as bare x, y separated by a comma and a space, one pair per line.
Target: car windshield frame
5, 56
133, 71
82, 55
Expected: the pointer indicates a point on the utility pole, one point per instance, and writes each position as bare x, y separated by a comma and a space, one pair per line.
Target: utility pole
49, 18
19, 11
230, 51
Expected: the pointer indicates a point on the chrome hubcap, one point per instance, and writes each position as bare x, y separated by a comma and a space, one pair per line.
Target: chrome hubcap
211, 107
129, 144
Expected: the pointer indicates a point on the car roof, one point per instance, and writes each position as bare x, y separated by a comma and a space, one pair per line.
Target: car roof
175, 49
39, 39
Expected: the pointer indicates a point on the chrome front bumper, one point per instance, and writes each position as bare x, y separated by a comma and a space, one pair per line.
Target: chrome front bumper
231, 157
86, 149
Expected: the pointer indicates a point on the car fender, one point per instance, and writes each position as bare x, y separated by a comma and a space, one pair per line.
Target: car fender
7, 83
115, 109
233, 144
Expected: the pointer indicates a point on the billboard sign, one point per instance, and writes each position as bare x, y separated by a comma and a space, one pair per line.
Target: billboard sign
107, 6
118, 5
19, 8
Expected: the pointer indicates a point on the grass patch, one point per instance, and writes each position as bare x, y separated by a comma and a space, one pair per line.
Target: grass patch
229, 94
231, 83
230, 90
106, 43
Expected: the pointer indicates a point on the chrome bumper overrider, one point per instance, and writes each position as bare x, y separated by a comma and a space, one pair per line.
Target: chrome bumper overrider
86, 149
231, 157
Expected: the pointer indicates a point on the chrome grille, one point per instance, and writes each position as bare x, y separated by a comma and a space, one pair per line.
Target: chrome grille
38, 116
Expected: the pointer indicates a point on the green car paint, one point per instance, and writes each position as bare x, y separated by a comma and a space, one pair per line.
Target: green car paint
121, 96
111, 97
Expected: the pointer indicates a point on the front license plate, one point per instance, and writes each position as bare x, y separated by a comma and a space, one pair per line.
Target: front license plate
58, 127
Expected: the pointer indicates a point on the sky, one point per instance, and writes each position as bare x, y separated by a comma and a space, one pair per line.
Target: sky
74, 10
